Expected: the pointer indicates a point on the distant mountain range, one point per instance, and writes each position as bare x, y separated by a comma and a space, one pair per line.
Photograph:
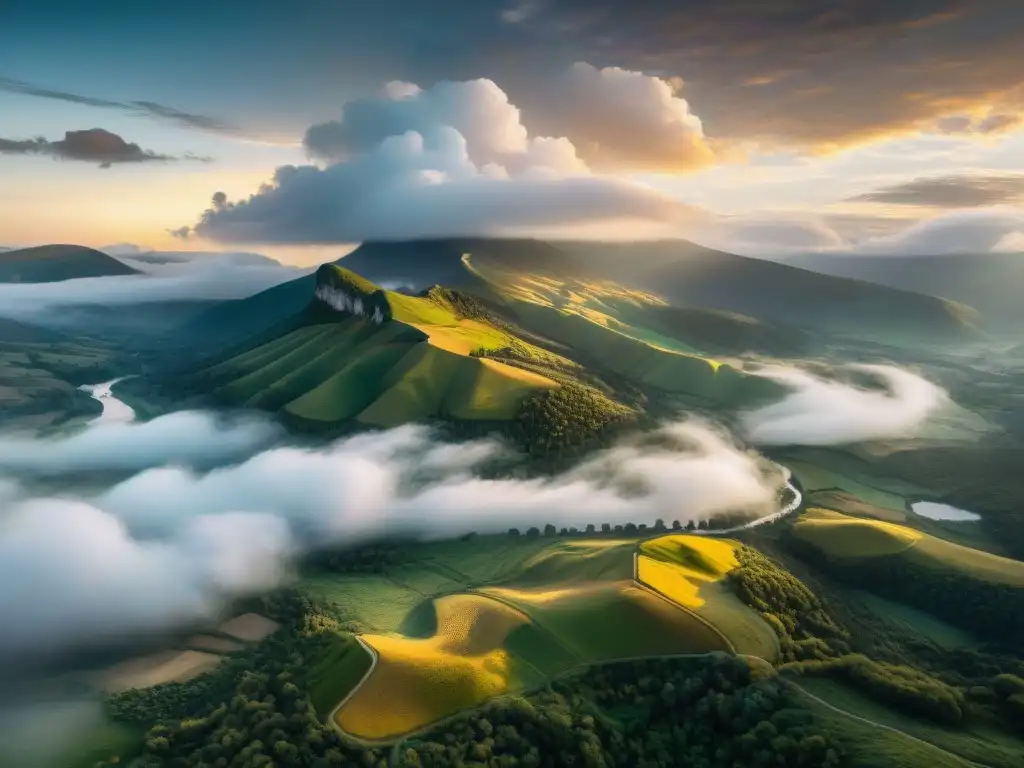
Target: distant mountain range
53, 263
989, 282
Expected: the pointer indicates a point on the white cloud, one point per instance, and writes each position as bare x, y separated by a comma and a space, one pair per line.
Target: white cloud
974, 231
477, 109
426, 185
824, 412
456, 159
1012, 243
183, 437
621, 119
170, 544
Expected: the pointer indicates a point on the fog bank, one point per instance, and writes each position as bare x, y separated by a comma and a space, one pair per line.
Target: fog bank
170, 544
825, 412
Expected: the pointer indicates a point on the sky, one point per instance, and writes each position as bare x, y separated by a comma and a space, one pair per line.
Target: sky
315, 124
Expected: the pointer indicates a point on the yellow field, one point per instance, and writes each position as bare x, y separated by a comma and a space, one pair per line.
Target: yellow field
689, 570
842, 536
418, 681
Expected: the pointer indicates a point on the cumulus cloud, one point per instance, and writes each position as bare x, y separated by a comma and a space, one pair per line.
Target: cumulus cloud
165, 276
171, 544
832, 412
478, 109
621, 119
427, 185
93, 145
180, 438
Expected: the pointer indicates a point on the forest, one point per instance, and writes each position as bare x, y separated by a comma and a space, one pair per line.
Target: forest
673, 712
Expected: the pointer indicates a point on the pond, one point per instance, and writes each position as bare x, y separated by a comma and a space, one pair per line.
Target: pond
933, 510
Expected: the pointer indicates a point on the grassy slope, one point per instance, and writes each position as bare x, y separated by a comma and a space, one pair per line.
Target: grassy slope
692, 276
689, 570
973, 742
622, 329
852, 538
415, 367
51, 263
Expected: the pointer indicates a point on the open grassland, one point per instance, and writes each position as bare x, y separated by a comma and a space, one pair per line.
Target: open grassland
607, 620
420, 680
917, 622
849, 538
972, 742
868, 746
575, 562
816, 479
689, 570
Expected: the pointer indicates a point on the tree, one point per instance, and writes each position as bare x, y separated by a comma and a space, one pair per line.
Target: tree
676, 525
513, 531
590, 528
550, 530
533, 533
690, 526
606, 527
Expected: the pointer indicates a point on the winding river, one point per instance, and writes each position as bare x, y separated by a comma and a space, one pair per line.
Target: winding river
114, 411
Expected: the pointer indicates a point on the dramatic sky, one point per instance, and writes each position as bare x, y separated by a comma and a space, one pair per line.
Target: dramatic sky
764, 126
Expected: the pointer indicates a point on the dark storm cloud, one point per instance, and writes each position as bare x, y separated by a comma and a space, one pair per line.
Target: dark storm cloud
138, 108
951, 191
93, 145
804, 72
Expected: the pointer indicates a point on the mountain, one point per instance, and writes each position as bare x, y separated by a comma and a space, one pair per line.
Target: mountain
989, 282
689, 275
52, 263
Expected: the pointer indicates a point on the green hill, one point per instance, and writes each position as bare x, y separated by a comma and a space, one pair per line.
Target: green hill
379, 358
52, 263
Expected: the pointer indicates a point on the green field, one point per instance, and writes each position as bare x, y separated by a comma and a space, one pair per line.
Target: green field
849, 538
336, 673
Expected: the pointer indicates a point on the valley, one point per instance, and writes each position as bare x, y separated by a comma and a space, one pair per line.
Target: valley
515, 490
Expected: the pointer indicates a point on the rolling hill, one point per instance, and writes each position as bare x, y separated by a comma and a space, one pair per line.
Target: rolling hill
379, 358
53, 263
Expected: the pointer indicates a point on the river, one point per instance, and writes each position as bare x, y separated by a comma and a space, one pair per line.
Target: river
114, 410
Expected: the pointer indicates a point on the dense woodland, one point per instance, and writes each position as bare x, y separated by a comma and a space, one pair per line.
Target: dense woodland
676, 712
813, 642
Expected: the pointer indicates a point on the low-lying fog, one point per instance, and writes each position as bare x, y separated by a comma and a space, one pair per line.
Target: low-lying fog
205, 507
209, 508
